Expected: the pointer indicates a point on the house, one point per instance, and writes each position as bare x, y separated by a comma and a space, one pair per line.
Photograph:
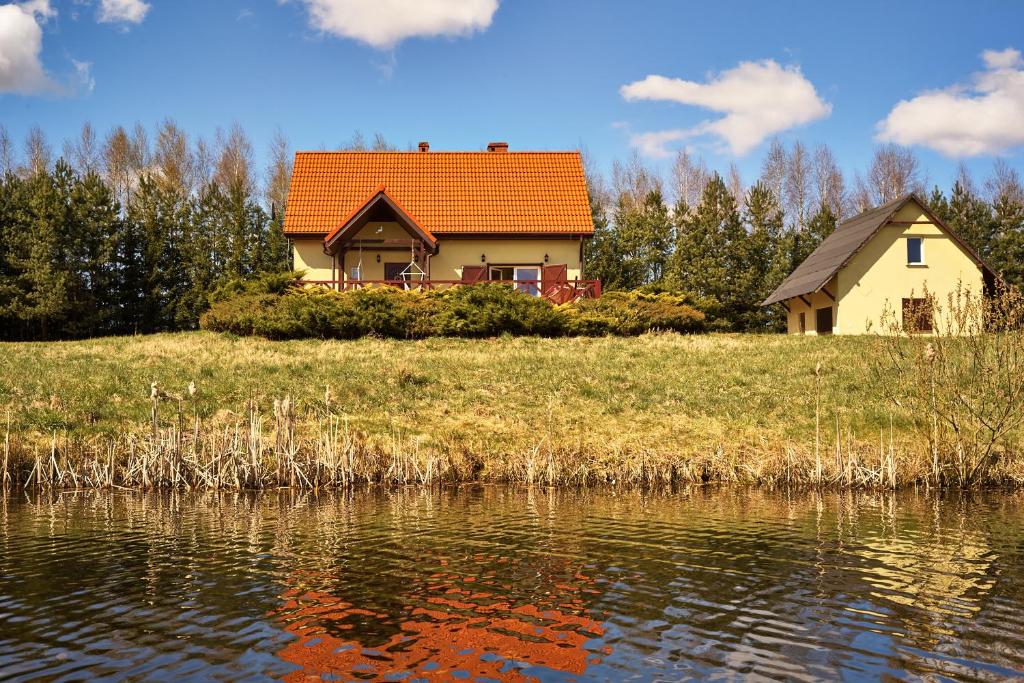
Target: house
426, 219
885, 258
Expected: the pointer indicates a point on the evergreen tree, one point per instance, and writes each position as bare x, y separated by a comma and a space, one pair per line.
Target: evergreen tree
1006, 255
971, 218
704, 237
757, 255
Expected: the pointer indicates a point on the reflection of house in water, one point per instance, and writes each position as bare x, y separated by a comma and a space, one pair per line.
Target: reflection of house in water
454, 627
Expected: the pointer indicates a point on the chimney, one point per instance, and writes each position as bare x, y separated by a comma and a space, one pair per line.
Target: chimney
497, 146
424, 146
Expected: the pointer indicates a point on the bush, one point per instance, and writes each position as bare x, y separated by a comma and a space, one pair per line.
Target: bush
466, 311
632, 313
491, 309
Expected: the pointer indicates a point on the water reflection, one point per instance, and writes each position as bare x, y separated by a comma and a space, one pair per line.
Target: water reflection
493, 583
452, 626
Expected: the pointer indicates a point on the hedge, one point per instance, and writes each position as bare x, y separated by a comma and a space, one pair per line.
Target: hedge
484, 310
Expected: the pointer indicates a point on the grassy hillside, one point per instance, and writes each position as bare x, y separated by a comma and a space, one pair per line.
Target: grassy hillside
713, 407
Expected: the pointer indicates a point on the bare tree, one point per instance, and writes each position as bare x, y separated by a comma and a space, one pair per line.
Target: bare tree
122, 160
38, 153
965, 179
1004, 183
798, 185
356, 144
735, 183
380, 144
8, 160
829, 186
773, 170
633, 180
172, 157
234, 160
894, 171
279, 173
691, 176
203, 161
84, 153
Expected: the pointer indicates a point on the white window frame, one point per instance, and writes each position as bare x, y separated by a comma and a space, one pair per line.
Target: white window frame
915, 263
356, 273
535, 284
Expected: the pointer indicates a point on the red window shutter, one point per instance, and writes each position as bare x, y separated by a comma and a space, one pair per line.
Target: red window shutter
471, 274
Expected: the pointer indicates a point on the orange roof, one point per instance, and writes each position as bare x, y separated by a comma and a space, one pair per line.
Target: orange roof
447, 192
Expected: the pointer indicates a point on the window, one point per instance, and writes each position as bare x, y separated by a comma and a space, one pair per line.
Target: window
917, 315
526, 278
803, 323
823, 320
915, 251
356, 274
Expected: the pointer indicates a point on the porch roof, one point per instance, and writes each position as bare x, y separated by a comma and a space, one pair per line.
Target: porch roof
364, 213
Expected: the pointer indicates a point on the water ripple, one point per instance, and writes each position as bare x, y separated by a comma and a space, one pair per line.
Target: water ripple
507, 584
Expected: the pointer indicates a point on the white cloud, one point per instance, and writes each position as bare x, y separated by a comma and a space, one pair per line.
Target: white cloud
385, 23
21, 41
985, 117
83, 72
123, 11
758, 99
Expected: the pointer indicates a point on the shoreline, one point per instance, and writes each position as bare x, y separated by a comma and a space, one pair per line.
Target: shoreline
203, 410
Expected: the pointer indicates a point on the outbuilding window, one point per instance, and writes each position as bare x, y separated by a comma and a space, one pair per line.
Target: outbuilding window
803, 322
917, 315
915, 251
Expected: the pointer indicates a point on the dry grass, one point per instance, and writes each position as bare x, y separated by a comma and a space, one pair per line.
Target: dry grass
568, 411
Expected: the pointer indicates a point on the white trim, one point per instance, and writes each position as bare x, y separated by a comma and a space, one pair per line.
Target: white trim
920, 263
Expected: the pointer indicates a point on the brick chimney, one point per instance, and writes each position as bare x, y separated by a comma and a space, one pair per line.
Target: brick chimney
497, 146
424, 146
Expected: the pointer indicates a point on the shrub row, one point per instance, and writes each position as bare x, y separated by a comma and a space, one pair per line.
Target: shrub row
466, 311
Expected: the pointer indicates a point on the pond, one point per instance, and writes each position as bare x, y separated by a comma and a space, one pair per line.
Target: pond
492, 583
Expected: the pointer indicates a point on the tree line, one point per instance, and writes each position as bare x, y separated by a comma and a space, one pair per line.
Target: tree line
730, 245
132, 233
123, 235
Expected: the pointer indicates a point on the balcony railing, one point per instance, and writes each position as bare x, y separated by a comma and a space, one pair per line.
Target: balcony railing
557, 292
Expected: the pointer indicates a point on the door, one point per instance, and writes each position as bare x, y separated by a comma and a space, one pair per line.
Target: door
472, 274
824, 320
393, 271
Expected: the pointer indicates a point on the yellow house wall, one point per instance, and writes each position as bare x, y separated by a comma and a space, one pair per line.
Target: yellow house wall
308, 255
453, 254
447, 264
797, 306
878, 276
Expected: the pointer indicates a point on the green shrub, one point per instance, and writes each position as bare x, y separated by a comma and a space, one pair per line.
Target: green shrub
485, 310
632, 313
492, 309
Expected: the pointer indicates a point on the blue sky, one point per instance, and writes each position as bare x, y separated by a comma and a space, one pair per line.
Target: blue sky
539, 74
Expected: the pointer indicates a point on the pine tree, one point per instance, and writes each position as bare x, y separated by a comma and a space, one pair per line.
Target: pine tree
757, 272
971, 218
702, 260
1006, 255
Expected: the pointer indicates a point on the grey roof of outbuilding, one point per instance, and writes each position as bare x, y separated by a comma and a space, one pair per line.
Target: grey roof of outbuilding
837, 249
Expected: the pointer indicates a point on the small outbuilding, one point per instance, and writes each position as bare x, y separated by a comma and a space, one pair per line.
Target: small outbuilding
883, 259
